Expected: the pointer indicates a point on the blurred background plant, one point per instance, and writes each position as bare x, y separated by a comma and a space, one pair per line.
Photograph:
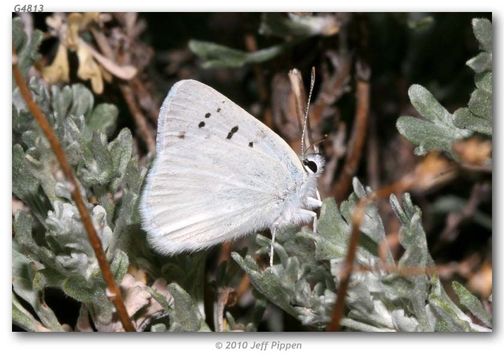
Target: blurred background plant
100, 79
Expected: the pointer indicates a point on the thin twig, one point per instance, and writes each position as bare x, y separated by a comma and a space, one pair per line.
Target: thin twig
138, 116
145, 100
332, 87
113, 291
373, 155
358, 135
454, 219
262, 86
399, 270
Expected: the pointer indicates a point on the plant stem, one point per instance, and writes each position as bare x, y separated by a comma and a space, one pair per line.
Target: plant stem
358, 138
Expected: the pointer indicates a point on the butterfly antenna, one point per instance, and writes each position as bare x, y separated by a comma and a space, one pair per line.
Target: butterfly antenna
305, 122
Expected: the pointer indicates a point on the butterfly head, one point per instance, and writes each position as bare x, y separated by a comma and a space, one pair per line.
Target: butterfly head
313, 164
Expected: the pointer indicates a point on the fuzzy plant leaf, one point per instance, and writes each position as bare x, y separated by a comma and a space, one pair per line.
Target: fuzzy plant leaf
26, 184
333, 232
298, 26
449, 317
220, 56
482, 29
187, 271
121, 150
185, 315
436, 130
103, 118
478, 115
372, 226
24, 282
472, 303
439, 130
377, 300
24, 319
26, 46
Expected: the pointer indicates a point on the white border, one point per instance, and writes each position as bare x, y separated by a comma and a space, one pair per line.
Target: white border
171, 346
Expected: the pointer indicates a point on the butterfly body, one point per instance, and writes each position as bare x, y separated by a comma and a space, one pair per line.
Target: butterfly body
220, 174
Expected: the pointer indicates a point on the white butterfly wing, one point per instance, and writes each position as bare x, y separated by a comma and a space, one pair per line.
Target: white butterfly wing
219, 173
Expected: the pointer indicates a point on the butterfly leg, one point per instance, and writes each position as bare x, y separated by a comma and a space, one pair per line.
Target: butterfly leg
315, 222
272, 251
314, 203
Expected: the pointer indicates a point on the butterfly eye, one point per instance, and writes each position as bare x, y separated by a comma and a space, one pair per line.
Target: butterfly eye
311, 165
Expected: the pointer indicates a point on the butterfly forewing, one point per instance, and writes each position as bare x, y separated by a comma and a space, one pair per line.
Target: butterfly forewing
219, 173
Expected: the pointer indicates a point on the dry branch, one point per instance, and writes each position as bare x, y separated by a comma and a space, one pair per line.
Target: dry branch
358, 138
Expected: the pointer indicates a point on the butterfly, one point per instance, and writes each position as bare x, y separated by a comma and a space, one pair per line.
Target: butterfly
220, 174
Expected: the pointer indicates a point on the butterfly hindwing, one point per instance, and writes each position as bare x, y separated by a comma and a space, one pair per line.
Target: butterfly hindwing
219, 173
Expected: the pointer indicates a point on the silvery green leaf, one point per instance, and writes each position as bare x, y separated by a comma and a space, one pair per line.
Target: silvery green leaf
97, 167
412, 238
268, 282
215, 55
83, 291
360, 326
24, 319
61, 101
480, 104
68, 239
119, 265
420, 21
167, 304
99, 217
403, 322
23, 270
26, 46
446, 318
121, 149
24, 274
436, 130
483, 32
65, 227
134, 175
448, 315
484, 81
481, 62
158, 328
126, 221
472, 303
23, 226
103, 118
185, 315
82, 100
25, 185
465, 119
298, 26
371, 226
333, 232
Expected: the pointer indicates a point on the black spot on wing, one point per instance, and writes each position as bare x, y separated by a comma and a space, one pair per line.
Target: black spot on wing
232, 132
207, 115
201, 124
181, 135
218, 109
251, 144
